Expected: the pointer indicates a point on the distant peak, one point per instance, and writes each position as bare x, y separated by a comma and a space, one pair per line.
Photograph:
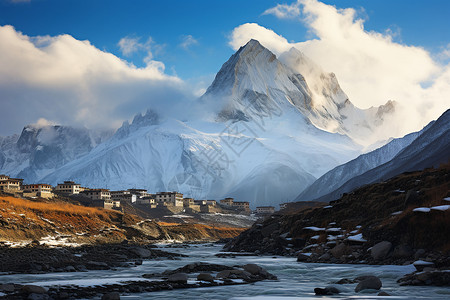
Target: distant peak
252, 46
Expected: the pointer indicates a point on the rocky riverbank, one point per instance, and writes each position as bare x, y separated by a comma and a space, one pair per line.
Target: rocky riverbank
403, 220
194, 275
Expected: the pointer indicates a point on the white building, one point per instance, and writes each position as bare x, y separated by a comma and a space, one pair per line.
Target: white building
8, 184
40, 189
68, 188
123, 196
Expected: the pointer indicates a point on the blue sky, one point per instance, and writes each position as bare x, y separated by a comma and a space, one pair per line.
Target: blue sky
62, 61
105, 22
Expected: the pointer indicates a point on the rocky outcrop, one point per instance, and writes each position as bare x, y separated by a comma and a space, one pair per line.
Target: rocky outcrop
381, 223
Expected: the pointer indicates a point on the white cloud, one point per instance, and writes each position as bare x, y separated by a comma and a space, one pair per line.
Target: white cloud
188, 41
284, 11
72, 82
370, 66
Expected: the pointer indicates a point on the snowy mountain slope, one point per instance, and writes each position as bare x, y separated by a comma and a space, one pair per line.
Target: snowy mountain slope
430, 148
205, 160
39, 150
336, 177
265, 144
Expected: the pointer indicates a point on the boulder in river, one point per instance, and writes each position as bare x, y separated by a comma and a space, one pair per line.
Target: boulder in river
368, 283
329, 290
178, 278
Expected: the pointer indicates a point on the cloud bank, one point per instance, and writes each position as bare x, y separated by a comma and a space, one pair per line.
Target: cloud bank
370, 66
69, 81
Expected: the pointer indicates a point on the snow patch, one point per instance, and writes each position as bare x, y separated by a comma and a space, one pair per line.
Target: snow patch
422, 209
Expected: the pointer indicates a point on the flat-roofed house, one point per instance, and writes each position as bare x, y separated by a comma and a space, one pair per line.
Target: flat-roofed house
10, 185
139, 192
68, 188
242, 205
227, 201
123, 196
38, 189
265, 210
169, 198
97, 194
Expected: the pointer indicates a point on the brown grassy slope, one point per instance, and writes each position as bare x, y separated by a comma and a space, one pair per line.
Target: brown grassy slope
22, 219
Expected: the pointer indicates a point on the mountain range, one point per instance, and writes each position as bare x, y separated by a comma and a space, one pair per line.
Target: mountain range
267, 128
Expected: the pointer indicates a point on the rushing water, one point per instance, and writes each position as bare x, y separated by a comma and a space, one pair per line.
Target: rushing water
295, 280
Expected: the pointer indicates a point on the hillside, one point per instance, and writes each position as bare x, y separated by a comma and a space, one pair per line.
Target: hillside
409, 214
56, 222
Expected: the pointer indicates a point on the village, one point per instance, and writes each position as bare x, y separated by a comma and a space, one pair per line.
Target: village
172, 201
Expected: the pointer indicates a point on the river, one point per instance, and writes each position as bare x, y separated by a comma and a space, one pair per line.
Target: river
295, 280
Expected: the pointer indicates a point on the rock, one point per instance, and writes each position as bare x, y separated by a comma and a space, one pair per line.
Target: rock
380, 250
302, 257
63, 295
223, 274
325, 256
178, 278
368, 282
70, 269
38, 297
138, 262
329, 290
111, 296
7, 287
141, 252
419, 254
420, 265
403, 251
383, 294
252, 269
205, 277
33, 289
339, 250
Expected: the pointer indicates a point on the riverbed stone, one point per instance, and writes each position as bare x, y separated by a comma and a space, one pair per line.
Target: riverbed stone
141, 252
205, 277
252, 269
111, 296
380, 250
7, 287
34, 289
340, 250
368, 283
178, 278
327, 291
223, 274
383, 294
